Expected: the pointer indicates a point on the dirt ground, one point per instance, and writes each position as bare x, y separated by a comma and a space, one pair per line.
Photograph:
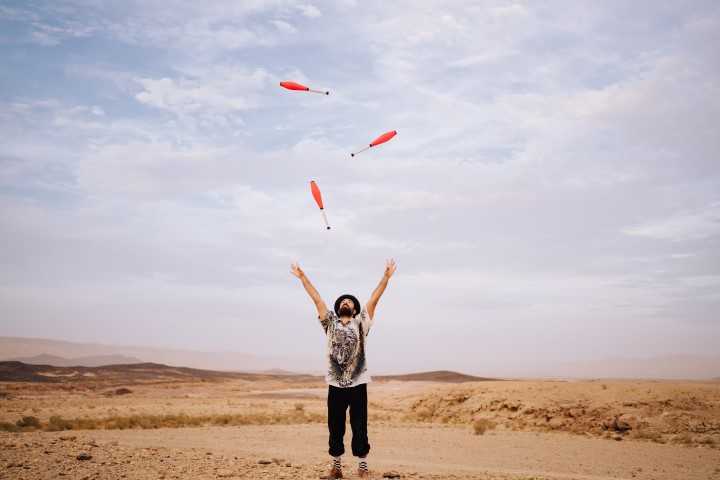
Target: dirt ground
276, 429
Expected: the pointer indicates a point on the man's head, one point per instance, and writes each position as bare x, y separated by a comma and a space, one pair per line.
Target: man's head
347, 306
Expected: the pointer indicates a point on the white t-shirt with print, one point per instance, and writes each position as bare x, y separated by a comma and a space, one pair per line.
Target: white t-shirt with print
347, 365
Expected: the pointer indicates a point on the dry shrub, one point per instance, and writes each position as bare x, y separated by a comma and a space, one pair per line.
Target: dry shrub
147, 422
57, 424
648, 435
481, 425
424, 413
8, 427
85, 424
709, 441
181, 420
683, 438
28, 422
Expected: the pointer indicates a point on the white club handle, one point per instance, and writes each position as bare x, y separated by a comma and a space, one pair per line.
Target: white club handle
325, 218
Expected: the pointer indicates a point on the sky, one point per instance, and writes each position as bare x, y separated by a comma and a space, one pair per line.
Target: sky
552, 195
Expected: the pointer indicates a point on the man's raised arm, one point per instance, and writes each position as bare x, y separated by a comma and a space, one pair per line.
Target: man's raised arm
377, 293
317, 300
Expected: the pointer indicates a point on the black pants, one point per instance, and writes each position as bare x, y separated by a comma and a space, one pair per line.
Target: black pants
338, 401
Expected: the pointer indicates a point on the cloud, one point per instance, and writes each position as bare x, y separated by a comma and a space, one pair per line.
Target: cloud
188, 97
683, 227
196, 32
284, 26
540, 148
213, 97
514, 10
479, 59
49, 35
310, 11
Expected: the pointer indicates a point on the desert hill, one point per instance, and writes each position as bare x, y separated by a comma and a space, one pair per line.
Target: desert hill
12, 371
26, 348
135, 373
443, 376
88, 361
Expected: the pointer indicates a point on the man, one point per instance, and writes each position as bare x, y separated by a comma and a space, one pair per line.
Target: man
346, 327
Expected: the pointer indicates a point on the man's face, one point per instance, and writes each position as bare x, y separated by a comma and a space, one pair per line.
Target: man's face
347, 308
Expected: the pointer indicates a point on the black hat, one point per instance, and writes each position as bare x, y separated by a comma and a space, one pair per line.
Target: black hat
343, 297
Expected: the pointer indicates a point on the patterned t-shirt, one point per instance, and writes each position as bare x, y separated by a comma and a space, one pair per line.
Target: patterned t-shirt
347, 366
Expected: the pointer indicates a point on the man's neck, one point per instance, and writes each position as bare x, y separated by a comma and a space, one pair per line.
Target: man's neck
345, 320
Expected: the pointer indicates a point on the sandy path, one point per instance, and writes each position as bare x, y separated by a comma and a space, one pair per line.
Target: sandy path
446, 450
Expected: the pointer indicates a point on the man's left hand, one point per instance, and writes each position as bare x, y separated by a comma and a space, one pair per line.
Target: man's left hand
390, 268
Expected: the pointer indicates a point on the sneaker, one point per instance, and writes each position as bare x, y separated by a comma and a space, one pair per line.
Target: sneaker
335, 473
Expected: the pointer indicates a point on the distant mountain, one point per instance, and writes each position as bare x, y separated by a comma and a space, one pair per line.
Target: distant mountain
675, 367
12, 348
445, 376
278, 371
136, 373
90, 361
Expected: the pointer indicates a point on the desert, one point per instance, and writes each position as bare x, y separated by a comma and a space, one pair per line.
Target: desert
155, 421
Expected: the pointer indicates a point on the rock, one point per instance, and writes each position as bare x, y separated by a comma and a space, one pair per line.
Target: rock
84, 456
224, 473
265, 462
617, 437
69, 438
621, 425
618, 424
391, 474
288, 464
557, 422
631, 420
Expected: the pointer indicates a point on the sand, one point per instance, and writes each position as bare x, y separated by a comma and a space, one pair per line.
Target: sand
542, 429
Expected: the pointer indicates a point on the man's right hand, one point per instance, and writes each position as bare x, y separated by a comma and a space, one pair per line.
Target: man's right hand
296, 270
319, 304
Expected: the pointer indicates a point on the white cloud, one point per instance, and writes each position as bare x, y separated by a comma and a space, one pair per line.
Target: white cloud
184, 97
689, 226
485, 58
514, 10
154, 170
216, 94
201, 32
529, 137
284, 26
310, 11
